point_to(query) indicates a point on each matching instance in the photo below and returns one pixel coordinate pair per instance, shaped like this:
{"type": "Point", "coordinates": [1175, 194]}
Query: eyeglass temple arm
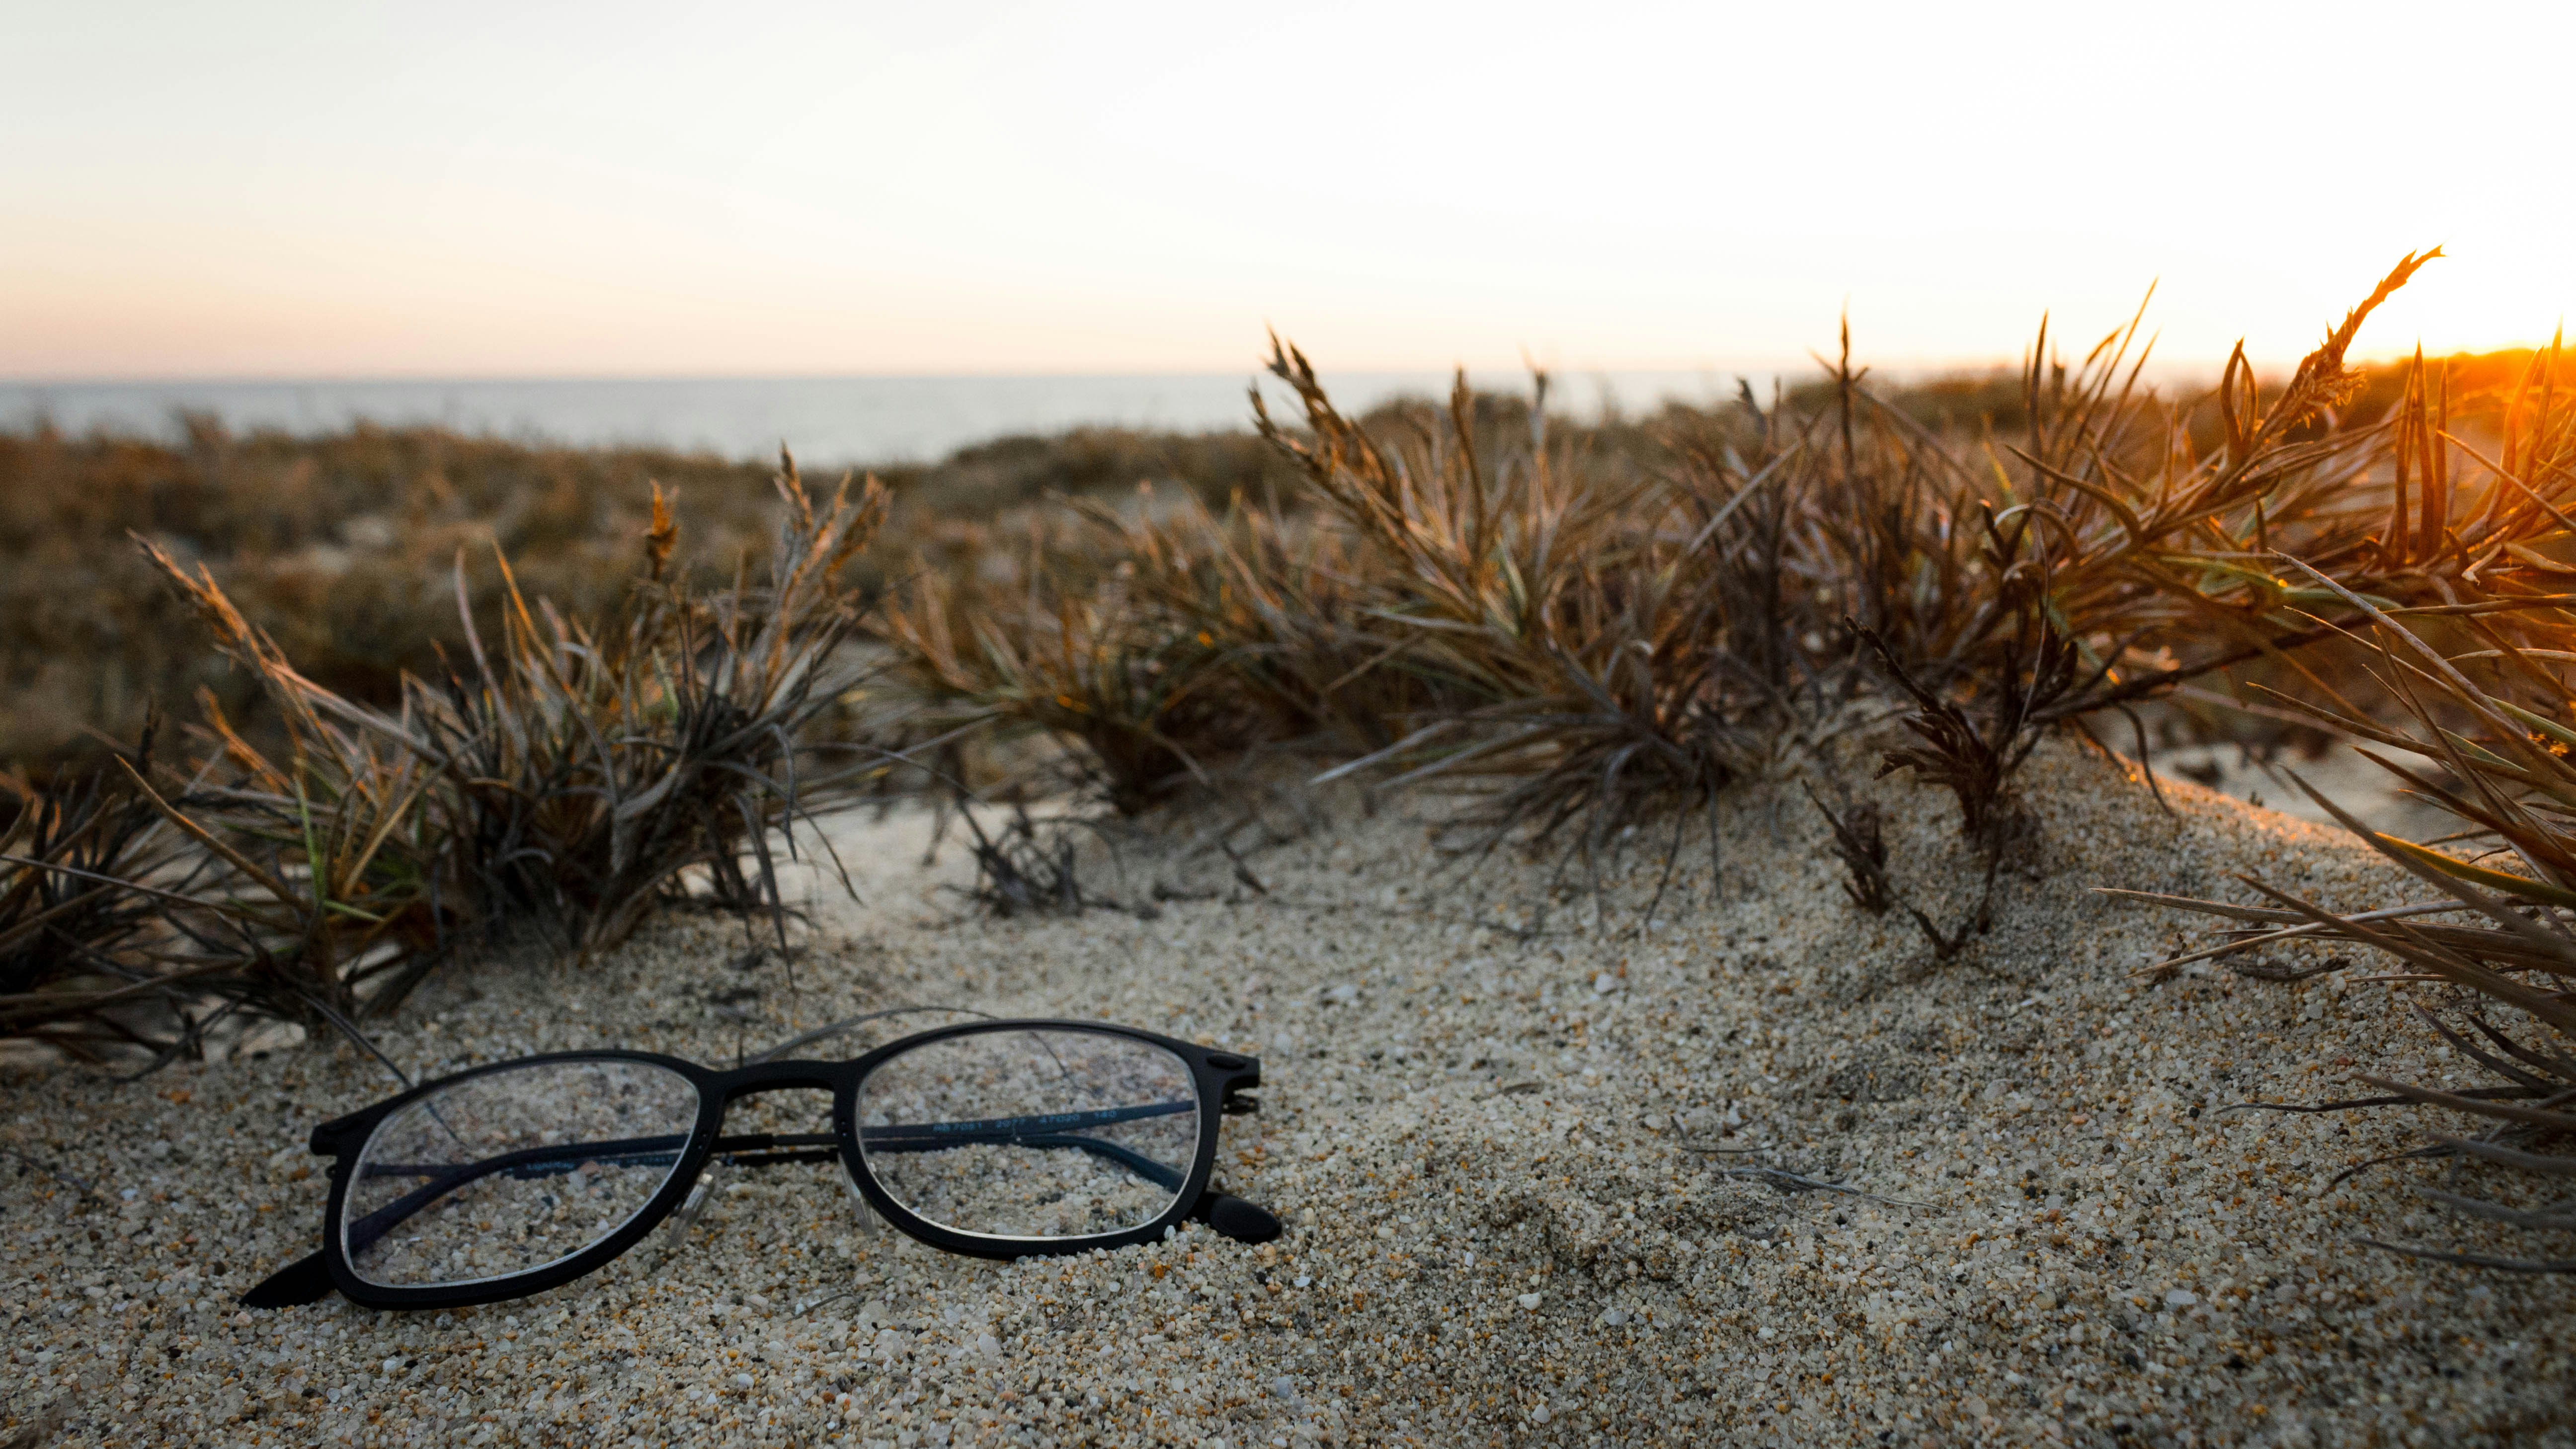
{"type": "Point", "coordinates": [1127, 1157]}
{"type": "Point", "coordinates": [659, 1150]}
{"type": "Point", "coordinates": [308, 1280]}
{"type": "Point", "coordinates": [1230, 1216]}
{"type": "Point", "coordinates": [550, 1160]}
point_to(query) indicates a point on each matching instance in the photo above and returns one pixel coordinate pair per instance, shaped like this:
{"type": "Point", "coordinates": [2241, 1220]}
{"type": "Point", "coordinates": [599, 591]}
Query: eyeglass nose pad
{"type": "Point", "coordinates": [696, 1203]}
{"type": "Point", "coordinates": [859, 1200]}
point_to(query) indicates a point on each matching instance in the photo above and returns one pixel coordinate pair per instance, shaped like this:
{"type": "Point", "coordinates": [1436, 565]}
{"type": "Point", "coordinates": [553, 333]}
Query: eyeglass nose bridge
{"type": "Point", "coordinates": [762, 1078]}
{"type": "Point", "coordinates": [758, 1080]}
{"type": "Point", "coordinates": [767, 1077]}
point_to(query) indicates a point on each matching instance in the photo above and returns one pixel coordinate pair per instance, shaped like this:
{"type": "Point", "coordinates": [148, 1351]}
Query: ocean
{"type": "Point", "coordinates": [826, 420]}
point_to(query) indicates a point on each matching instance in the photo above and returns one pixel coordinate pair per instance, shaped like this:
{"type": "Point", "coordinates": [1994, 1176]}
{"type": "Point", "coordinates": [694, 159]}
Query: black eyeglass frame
{"type": "Point", "coordinates": [1216, 1075]}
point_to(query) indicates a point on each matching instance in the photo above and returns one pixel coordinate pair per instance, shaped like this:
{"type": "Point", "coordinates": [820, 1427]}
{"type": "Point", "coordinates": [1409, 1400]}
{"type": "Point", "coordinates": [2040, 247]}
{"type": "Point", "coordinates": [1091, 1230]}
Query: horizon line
{"type": "Point", "coordinates": [1918, 367]}
{"type": "Point", "coordinates": [255, 379]}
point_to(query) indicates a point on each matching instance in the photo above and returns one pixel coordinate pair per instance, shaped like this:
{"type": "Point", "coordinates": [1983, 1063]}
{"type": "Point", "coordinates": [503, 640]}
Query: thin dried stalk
{"type": "Point", "coordinates": [2513, 955]}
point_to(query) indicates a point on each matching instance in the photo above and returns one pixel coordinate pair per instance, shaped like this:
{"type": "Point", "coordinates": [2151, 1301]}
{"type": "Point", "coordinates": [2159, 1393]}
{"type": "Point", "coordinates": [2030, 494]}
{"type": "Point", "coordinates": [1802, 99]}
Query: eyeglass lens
{"type": "Point", "coordinates": [504, 1173]}
{"type": "Point", "coordinates": [1031, 1133]}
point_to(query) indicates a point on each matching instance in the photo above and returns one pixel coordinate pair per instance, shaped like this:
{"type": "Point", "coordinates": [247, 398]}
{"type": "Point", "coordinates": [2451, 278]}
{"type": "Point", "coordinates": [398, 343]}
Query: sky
{"type": "Point", "coordinates": [276, 189]}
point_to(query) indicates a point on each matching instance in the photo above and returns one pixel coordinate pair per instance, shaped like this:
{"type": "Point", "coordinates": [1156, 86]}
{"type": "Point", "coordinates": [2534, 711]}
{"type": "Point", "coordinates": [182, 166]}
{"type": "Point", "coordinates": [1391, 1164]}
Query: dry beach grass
{"type": "Point", "coordinates": [1538, 1176]}
{"type": "Point", "coordinates": [1760, 1040]}
{"type": "Point", "coordinates": [1591, 630]}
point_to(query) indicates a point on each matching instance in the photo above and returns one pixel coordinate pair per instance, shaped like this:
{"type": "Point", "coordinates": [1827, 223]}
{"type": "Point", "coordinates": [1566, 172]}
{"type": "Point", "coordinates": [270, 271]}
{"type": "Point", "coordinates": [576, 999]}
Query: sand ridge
{"type": "Point", "coordinates": [1536, 1172]}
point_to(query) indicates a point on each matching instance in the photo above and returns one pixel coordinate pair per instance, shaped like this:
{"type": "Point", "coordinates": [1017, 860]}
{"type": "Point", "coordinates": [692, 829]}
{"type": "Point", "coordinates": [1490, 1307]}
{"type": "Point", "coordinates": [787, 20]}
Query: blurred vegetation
{"type": "Point", "coordinates": [429, 683]}
{"type": "Point", "coordinates": [436, 686]}
{"type": "Point", "coordinates": [559, 776]}
{"type": "Point", "coordinates": [342, 547]}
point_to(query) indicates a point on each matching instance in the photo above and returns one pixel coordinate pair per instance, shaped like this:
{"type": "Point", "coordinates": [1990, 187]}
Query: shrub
{"type": "Point", "coordinates": [577, 773]}
{"type": "Point", "coordinates": [586, 769]}
{"type": "Point", "coordinates": [340, 548]}
{"type": "Point", "coordinates": [78, 929]}
{"type": "Point", "coordinates": [2489, 729]}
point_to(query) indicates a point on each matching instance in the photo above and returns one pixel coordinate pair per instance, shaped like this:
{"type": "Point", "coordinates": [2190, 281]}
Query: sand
{"type": "Point", "coordinates": [1522, 1159]}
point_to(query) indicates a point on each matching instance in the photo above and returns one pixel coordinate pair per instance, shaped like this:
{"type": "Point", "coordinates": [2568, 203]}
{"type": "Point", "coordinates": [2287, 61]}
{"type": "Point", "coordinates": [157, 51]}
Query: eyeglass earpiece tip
{"type": "Point", "coordinates": [306, 1280]}
{"type": "Point", "coordinates": [1244, 1222]}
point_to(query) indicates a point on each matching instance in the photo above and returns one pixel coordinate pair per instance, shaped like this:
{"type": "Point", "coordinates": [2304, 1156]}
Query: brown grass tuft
{"type": "Point", "coordinates": [80, 968]}
{"type": "Point", "coordinates": [578, 773]}
{"type": "Point", "coordinates": [2490, 730]}
{"type": "Point", "coordinates": [586, 768]}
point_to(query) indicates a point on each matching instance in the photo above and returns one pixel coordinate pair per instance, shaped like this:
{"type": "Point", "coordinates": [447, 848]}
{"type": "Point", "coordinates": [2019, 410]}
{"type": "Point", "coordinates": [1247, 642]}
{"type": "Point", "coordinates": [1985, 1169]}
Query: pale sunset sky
{"type": "Point", "coordinates": [275, 189]}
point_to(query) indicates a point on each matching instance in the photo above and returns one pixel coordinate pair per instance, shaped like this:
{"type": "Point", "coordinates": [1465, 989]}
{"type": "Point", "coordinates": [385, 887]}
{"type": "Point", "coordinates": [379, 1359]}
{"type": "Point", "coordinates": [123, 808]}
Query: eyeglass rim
{"type": "Point", "coordinates": [1215, 1073]}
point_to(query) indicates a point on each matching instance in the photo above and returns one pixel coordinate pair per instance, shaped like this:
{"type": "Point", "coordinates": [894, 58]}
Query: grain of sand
{"type": "Point", "coordinates": [1521, 1159]}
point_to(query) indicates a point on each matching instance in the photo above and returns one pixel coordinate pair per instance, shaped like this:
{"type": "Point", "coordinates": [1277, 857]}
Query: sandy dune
{"type": "Point", "coordinates": [1532, 1166]}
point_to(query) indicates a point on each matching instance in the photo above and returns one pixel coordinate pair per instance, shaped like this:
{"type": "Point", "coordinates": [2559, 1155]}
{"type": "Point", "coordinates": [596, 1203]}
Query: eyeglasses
{"type": "Point", "coordinates": [999, 1139]}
